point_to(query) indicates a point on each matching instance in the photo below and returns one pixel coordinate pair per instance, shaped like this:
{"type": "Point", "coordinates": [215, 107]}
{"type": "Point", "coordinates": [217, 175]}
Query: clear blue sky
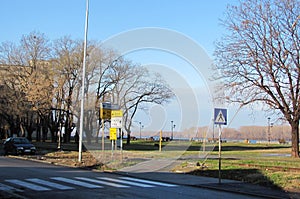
{"type": "Point", "coordinates": [197, 19]}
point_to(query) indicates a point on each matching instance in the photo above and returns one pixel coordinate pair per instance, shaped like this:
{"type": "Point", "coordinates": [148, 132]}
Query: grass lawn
{"type": "Point", "coordinates": [268, 165]}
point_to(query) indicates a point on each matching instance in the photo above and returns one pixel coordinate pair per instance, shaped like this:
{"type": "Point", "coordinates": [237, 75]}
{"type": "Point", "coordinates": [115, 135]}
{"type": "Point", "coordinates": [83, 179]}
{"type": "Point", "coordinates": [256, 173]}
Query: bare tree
{"type": "Point", "coordinates": [135, 88]}
{"type": "Point", "coordinates": [259, 60]}
{"type": "Point", "coordinates": [68, 65]}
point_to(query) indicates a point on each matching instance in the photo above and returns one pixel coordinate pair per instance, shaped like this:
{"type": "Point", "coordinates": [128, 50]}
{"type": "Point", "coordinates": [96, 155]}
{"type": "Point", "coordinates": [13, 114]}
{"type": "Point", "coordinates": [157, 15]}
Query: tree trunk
{"type": "Point", "coordinates": [295, 139]}
{"type": "Point", "coordinates": [45, 132]}
{"type": "Point", "coordinates": [29, 132]}
{"type": "Point", "coordinates": [128, 137]}
{"type": "Point", "coordinates": [38, 133]}
{"type": "Point", "coordinates": [53, 132]}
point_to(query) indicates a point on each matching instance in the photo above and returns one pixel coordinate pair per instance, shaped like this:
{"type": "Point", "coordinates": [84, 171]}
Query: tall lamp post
{"type": "Point", "coordinates": [83, 82]}
{"type": "Point", "coordinates": [61, 132]}
{"type": "Point", "coordinates": [172, 129]}
{"type": "Point", "coordinates": [141, 126]}
{"type": "Point", "coordinates": [270, 125]}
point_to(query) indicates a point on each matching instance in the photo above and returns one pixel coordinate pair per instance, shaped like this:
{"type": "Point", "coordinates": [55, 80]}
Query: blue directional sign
{"type": "Point", "coordinates": [220, 116]}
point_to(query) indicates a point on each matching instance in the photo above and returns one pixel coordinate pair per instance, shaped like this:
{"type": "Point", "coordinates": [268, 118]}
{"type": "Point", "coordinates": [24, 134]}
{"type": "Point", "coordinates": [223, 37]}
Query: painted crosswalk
{"type": "Point", "coordinates": [63, 183]}
{"type": "Point", "coordinates": [103, 182]}
{"type": "Point", "coordinates": [49, 184]}
{"type": "Point", "coordinates": [4, 187]}
{"type": "Point", "coordinates": [28, 185]}
{"type": "Point", "coordinates": [126, 182]}
{"type": "Point", "coordinates": [149, 182]}
{"type": "Point", "coordinates": [76, 182]}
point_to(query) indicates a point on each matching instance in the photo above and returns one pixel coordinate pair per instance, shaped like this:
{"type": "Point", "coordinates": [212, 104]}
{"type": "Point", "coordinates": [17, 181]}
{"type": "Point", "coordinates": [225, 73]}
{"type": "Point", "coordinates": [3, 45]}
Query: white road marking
{"type": "Point", "coordinates": [28, 185]}
{"type": "Point", "coordinates": [4, 187]}
{"type": "Point", "coordinates": [150, 182]}
{"type": "Point", "coordinates": [76, 182]}
{"type": "Point", "coordinates": [49, 184]}
{"type": "Point", "coordinates": [102, 182]}
{"type": "Point", "coordinates": [37, 184]}
{"type": "Point", "coordinates": [126, 182]}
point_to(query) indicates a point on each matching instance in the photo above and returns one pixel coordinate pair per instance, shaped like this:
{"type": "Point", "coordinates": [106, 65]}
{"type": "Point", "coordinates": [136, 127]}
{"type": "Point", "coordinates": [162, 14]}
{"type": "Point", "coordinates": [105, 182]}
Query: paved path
{"type": "Point", "coordinates": [153, 165]}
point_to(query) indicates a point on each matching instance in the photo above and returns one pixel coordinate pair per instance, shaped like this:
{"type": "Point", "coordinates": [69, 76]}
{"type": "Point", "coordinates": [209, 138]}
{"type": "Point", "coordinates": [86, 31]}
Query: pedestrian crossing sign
{"type": "Point", "coordinates": [220, 116]}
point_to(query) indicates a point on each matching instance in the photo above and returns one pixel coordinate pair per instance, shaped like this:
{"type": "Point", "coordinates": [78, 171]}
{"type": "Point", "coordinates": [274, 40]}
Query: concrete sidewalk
{"type": "Point", "coordinates": [159, 170]}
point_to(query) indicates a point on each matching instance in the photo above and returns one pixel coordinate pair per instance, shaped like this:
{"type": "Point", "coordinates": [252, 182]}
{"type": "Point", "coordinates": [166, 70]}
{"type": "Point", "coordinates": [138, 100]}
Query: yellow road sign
{"type": "Point", "coordinates": [105, 110]}
{"type": "Point", "coordinates": [113, 133]}
{"type": "Point", "coordinates": [116, 113]}
{"type": "Point", "coordinates": [105, 113]}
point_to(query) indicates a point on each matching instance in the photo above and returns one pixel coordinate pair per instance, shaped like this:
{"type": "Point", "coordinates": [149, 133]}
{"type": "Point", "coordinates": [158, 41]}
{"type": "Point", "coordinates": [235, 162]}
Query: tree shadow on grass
{"type": "Point", "coordinates": [247, 148]}
{"type": "Point", "coordinates": [253, 176]}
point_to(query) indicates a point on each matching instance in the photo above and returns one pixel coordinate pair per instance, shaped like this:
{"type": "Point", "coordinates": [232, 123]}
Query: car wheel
{"type": "Point", "coordinates": [15, 152]}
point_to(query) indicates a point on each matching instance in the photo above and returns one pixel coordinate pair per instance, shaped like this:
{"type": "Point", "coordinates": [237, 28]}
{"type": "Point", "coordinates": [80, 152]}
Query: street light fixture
{"type": "Point", "coordinates": [60, 132]}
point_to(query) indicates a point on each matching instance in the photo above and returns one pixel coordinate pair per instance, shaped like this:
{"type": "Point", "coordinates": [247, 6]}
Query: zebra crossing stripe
{"type": "Point", "coordinates": [126, 182]}
{"type": "Point", "coordinates": [102, 182]}
{"type": "Point", "coordinates": [76, 182]}
{"type": "Point", "coordinates": [149, 182]}
{"type": "Point", "coordinates": [49, 184]}
{"type": "Point", "coordinates": [4, 187]}
{"type": "Point", "coordinates": [28, 185]}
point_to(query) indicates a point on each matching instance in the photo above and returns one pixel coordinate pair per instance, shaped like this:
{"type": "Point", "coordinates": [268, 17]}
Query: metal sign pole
{"type": "Point", "coordinates": [220, 118]}
{"type": "Point", "coordinates": [160, 139]}
{"type": "Point", "coordinates": [112, 150]}
{"type": "Point", "coordinates": [102, 131]}
{"type": "Point", "coordinates": [121, 144]}
{"type": "Point", "coordinates": [219, 153]}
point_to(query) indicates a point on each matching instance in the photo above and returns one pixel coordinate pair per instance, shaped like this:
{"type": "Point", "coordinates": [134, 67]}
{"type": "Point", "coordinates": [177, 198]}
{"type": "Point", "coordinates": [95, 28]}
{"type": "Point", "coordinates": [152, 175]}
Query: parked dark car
{"type": "Point", "coordinates": [18, 146]}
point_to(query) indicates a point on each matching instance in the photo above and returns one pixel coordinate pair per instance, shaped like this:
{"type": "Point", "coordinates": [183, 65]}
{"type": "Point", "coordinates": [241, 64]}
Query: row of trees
{"type": "Point", "coordinates": [41, 86]}
{"type": "Point", "coordinates": [272, 133]}
{"type": "Point", "coordinates": [265, 133]}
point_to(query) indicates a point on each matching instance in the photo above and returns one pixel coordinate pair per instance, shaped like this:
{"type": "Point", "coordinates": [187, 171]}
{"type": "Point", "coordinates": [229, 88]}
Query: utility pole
{"type": "Point", "coordinates": [269, 130]}
{"type": "Point", "coordinates": [172, 129]}
{"type": "Point", "coordinates": [141, 126]}
{"type": "Point", "coordinates": [83, 83]}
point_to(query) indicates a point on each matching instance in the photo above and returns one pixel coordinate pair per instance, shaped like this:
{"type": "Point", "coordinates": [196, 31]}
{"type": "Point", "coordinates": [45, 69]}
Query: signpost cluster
{"type": "Point", "coordinates": [220, 118]}
{"type": "Point", "coordinates": [114, 114]}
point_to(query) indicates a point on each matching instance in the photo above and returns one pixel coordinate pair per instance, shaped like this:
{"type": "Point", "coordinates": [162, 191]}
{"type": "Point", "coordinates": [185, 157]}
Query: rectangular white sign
{"type": "Point", "coordinates": [116, 122]}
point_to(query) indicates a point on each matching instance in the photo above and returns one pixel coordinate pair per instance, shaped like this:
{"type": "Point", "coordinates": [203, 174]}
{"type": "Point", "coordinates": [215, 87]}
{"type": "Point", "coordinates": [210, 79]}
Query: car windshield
{"type": "Point", "coordinates": [21, 141]}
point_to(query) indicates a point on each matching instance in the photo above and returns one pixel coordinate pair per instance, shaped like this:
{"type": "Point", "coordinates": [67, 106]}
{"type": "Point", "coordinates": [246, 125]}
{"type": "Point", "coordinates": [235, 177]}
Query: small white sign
{"type": "Point", "coordinates": [116, 122]}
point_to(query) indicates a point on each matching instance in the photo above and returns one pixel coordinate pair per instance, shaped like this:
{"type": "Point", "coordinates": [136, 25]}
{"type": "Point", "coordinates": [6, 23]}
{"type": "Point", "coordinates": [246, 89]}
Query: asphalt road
{"type": "Point", "coordinates": [32, 180]}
